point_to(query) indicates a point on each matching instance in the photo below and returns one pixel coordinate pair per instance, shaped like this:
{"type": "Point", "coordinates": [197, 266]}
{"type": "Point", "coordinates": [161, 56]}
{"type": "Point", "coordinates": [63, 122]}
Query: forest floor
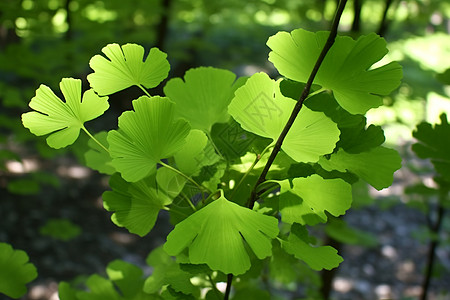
{"type": "Point", "coordinates": [393, 269]}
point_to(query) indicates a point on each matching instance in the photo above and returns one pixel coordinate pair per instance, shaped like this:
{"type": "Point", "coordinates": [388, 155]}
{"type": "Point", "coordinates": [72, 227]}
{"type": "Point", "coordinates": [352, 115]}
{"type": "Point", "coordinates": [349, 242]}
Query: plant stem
{"type": "Point", "coordinates": [94, 139]}
{"type": "Point", "coordinates": [299, 104]}
{"type": "Point", "coordinates": [435, 229]}
{"type": "Point", "coordinates": [257, 159]}
{"type": "Point", "coordinates": [144, 90]}
{"type": "Point", "coordinates": [214, 287]}
{"type": "Point", "coordinates": [228, 289]}
{"type": "Point", "coordinates": [189, 201]}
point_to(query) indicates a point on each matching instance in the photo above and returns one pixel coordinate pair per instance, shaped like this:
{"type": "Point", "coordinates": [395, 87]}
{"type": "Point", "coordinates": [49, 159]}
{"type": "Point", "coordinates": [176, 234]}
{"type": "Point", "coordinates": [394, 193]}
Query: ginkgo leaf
{"type": "Point", "coordinates": [128, 277]}
{"type": "Point", "coordinates": [15, 271]}
{"type": "Point", "coordinates": [167, 272]}
{"type": "Point", "coordinates": [376, 166]}
{"type": "Point", "coordinates": [145, 136]}
{"type": "Point", "coordinates": [218, 234]}
{"type": "Point", "coordinates": [260, 108]}
{"type": "Point", "coordinates": [135, 205]}
{"type": "Point", "coordinates": [346, 69]}
{"type": "Point", "coordinates": [189, 158]}
{"type": "Point", "coordinates": [309, 198]}
{"type": "Point", "coordinates": [96, 157]}
{"type": "Point", "coordinates": [318, 258]}
{"type": "Point", "coordinates": [126, 67]}
{"type": "Point", "coordinates": [63, 119]}
{"type": "Point", "coordinates": [203, 97]}
{"type": "Point", "coordinates": [434, 143]}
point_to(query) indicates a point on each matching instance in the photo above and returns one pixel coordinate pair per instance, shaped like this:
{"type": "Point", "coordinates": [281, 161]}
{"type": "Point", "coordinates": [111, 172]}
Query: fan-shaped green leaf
{"type": "Point", "coordinates": [189, 158]}
{"type": "Point", "coordinates": [97, 158]}
{"type": "Point", "coordinates": [318, 258]}
{"type": "Point", "coordinates": [376, 166]}
{"type": "Point", "coordinates": [309, 198]}
{"type": "Point", "coordinates": [126, 67]}
{"type": "Point", "coordinates": [145, 136]}
{"type": "Point", "coordinates": [203, 97]}
{"type": "Point", "coordinates": [434, 143]}
{"type": "Point", "coordinates": [217, 235]}
{"type": "Point", "coordinates": [260, 108]}
{"type": "Point", "coordinates": [168, 272]}
{"type": "Point", "coordinates": [15, 271]}
{"type": "Point", "coordinates": [63, 119]}
{"type": "Point", "coordinates": [135, 205]}
{"type": "Point", "coordinates": [126, 276]}
{"type": "Point", "coordinates": [346, 68]}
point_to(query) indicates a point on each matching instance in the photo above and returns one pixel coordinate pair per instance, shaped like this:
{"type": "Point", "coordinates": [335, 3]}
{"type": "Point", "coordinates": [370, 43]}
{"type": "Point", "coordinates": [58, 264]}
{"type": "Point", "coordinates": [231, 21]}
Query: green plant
{"type": "Point", "coordinates": [242, 166]}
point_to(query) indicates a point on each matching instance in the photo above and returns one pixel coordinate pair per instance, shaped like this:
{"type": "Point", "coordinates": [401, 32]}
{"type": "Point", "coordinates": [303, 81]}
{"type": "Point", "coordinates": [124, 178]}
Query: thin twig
{"type": "Point", "coordinates": [299, 104]}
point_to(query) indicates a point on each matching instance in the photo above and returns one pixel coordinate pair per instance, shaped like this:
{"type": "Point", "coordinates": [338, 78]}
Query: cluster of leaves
{"type": "Point", "coordinates": [198, 151]}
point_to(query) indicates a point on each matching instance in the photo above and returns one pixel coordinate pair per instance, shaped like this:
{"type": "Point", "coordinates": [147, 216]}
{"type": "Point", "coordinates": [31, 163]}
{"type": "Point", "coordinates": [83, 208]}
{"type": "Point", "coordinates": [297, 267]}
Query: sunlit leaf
{"type": "Point", "coordinates": [434, 143]}
{"type": "Point", "coordinates": [318, 258]}
{"type": "Point", "coordinates": [63, 119]}
{"type": "Point", "coordinates": [97, 158]}
{"type": "Point", "coordinates": [170, 182]}
{"type": "Point", "coordinates": [309, 198]}
{"type": "Point", "coordinates": [260, 108]}
{"type": "Point", "coordinates": [218, 234]}
{"type": "Point", "coordinates": [125, 66]}
{"type": "Point", "coordinates": [346, 69]}
{"type": "Point", "coordinates": [203, 97]}
{"type": "Point", "coordinates": [376, 166]}
{"type": "Point", "coordinates": [15, 271]}
{"type": "Point", "coordinates": [127, 277]}
{"type": "Point", "coordinates": [145, 136]}
{"type": "Point", "coordinates": [189, 158]}
{"type": "Point", "coordinates": [135, 205]}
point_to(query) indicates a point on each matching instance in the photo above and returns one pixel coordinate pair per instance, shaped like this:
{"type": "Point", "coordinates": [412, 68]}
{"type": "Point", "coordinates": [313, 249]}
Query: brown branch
{"type": "Point", "coordinates": [299, 104]}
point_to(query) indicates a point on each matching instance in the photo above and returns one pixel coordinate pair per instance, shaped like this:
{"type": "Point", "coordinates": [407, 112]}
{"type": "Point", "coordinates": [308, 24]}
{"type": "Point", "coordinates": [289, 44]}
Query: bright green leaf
{"type": "Point", "coordinates": [170, 182]}
{"type": "Point", "coordinates": [203, 97]}
{"type": "Point", "coordinates": [346, 69]}
{"type": "Point", "coordinates": [135, 205]}
{"type": "Point", "coordinates": [189, 158]}
{"type": "Point", "coordinates": [260, 108]}
{"type": "Point", "coordinates": [309, 198]}
{"type": "Point", "coordinates": [99, 288]}
{"type": "Point", "coordinates": [434, 143]}
{"type": "Point", "coordinates": [318, 258]}
{"type": "Point", "coordinates": [66, 292]}
{"type": "Point", "coordinates": [97, 158]}
{"type": "Point", "coordinates": [217, 235]}
{"type": "Point", "coordinates": [126, 67]}
{"type": "Point", "coordinates": [15, 271]}
{"type": "Point", "coordinates": [145, 136]}
{"type": "Point", "coordinates": [63, 119]}
{"type": "Point", "coordinates": [126, 276]}
{"type": "Point", "coordinates": [376, 166]}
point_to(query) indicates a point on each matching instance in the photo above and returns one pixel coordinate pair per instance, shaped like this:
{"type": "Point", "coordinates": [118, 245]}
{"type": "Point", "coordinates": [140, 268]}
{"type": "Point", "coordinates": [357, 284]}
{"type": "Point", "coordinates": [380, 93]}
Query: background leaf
{"type": "Point", "coordinates": [434, 143]}
{"type": "Point", "coordinates": [15, 271]}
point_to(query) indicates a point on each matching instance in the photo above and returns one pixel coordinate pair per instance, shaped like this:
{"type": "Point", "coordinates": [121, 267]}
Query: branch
{"type": "Point", "coordinates": [299, 104]}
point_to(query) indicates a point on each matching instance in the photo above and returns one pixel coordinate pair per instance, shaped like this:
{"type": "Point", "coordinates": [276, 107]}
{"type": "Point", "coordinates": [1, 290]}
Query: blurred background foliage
{"type": "Point", "coordinates": [42, 41]}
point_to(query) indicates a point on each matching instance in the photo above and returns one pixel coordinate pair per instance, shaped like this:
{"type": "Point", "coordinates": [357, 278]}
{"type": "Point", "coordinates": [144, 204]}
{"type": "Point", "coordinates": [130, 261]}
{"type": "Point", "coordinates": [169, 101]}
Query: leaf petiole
{"type": "Point", "coordinates": [94, 139]}
{"type": "Point", "coordinates": [144, 90]}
